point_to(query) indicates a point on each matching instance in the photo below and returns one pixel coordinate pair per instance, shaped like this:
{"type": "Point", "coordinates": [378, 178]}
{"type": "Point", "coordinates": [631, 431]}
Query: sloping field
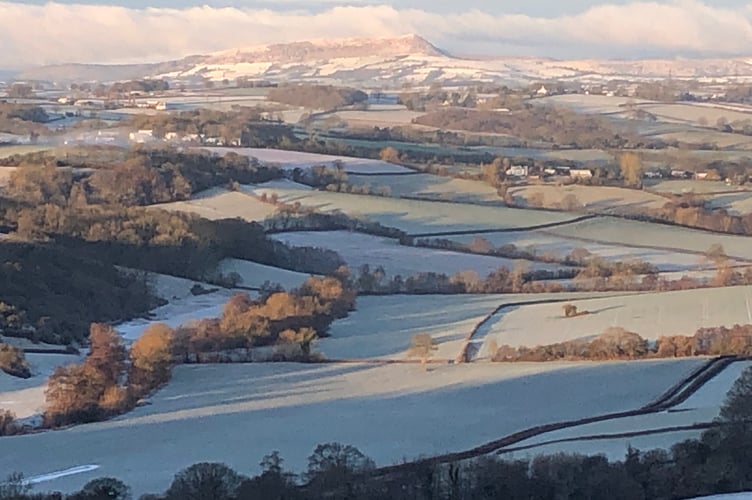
{"type": "Point", "coordinates": [380, 115]}
{"type": "Point", "coordinates": [383, 326]}
{"type": "Point", "coordinates": [6, 151]}
{"type": "Point", "coordinates": [359, 249]}
{"type": "Point", "coordinates": [290, 160]}
{"type": "Point", "coordinates": [238, 413]}
{"type": "Point", "coordinates": [702, 407]}
{"type": "Point", "coordinates": [418, 217]}
{"type": "Point", "coordinates": [254, 275]}
{"type": "Point", "coordinates": [690, 113]}
{"type": "Point", "coordinates": [222, 204]}
{"type": "Point", "coordinates": [651, 315]}
{"type": "Point", "coordinates": [602, 198]}
{"type": "Point", "coordinates": [736, 203]}
{"type": "Point", "coordinates": [25, 397]}
{"type": "Point", "coordinates": [543, 243]}
{"type": "Point", "coordinates": [431, 187]}
{"type": "Point", "coordinates": [680, 186]}
{"type": "Point", "coordinates": [597, 104]}
{"type": "Point", "coordinates": [659, 236]}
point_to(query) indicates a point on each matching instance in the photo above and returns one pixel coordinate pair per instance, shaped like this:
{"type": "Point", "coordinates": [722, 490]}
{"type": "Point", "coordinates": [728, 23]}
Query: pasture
{"type": "Point", "coordinates": [430, 187]}
{"type": "Point", "coordinates": [651, 315]}
{"type": "Point", "coordinates": [218, 203]}
{"type": "Point", "coordinates": [237, 413]}
{"type": "Point", "coordinates": [290, 160]}
{"type": "Point", "coordinates": [602, 199]}
{"type": "Point", "coordinates": [359, 249]}
{"type": "Point", "coordinates": [417, 216]}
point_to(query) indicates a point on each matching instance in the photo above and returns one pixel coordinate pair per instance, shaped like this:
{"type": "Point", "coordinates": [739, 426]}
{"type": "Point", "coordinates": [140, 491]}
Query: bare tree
{"type": "Point", "coordinates": [422, 346]}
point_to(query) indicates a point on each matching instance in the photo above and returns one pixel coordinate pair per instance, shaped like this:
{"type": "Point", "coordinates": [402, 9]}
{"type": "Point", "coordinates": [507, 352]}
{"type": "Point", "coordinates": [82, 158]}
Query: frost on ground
{"type": "Point", "coordinates": [651, 315]}
{"type": "Point", "coordinates": [542, 243]}
{"type": "Point", "coordinates": [238, 413]}
{"type": "Point", "coordinates": [359, 249]}
{"type": "Point", "coordinates": [25, 397]}
{"type": "Point", "coordinates": [625, 232]}
{"type": "Point", "coordinates": [217, 204]}
{"type": "Point", "coordinates": [431, 187]}
{"type": "Point", "coordinates": [413, 216]}
{"type": "Point", "coordinates": [730, 496]}
{"type": "Point", "coordinates": [702, 407]}
{"type": "Point", "coordinates": [604, 199]}
{"type": "Point", "coordinates": [290, 160]}
{"type": "Point", "coordinates": [254, 275]}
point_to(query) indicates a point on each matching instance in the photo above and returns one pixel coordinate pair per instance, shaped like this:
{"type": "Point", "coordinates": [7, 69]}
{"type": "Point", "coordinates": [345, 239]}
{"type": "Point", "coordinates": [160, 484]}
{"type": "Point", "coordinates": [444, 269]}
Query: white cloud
{"type": "Point", "coordinates": [53, 32]}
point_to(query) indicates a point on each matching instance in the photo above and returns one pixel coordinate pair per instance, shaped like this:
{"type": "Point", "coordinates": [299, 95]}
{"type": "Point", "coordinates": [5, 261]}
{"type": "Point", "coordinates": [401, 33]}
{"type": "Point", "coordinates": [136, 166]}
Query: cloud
{"type": "Point", "coordinates": [54, 32]}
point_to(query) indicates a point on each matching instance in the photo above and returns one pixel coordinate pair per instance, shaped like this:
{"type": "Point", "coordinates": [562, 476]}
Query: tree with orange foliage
{"type": "Point", "coordinates": [107, 353]}
{"type": "Point", "coordinates": [151, 358]}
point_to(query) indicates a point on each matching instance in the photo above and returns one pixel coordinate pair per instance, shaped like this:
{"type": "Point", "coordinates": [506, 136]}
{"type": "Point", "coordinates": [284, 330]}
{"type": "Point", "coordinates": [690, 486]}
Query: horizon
{"type": "Point", "coordinates": [107, 32]}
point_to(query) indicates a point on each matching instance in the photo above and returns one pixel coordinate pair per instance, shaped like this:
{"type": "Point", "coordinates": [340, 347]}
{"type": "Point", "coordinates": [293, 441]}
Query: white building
{"type": "Point", "coordinates": [518, 171]}
{"type": "Point", "coordinates": [141, 136]}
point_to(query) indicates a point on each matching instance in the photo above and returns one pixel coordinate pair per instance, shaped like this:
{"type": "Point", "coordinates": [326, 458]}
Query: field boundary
{"type": "Point", "coordinates": [547, 225]}
{"type": "Point", "coordinates": [692, 382]}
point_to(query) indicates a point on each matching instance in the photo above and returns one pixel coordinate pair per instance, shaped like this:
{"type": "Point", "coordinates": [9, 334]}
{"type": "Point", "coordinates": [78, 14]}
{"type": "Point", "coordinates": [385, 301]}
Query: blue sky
{"type": "Point", "coordinates": [153, 30]}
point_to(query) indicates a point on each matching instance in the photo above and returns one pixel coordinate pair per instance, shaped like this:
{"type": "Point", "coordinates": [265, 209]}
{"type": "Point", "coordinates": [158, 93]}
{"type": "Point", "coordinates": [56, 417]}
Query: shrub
{"type": "Point", "coordinates": [13, 362]}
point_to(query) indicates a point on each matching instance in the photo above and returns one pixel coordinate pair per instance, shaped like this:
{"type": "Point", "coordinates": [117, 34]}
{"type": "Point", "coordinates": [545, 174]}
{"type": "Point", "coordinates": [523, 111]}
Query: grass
{"type": "Point", "coordinates": [414, 216]}
{"type": "Point", "coordinates": [601, 198]}
{"type": "Point", "coordinates": [651, 315]}
{"type": "Point", "coordinates": [218, 203]}
{"type": "Point", "coordinates": [237, 413]}
{"type": "Point", "coordinates": [431, 187]}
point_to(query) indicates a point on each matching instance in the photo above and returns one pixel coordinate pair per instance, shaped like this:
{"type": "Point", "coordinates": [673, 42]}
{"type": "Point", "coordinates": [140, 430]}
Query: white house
{"type": "Point", "coordinates": [542, 91]}
{"type": "Point", "coordinates": [141, 136]}
{"type": "Point", "coordinates": [518, 171]}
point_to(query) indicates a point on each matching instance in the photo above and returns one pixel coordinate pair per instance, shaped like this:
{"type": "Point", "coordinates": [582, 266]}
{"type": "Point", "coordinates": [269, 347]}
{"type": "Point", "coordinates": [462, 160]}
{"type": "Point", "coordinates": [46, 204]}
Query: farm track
{"type": "Point", "coordinates": [675, 395]}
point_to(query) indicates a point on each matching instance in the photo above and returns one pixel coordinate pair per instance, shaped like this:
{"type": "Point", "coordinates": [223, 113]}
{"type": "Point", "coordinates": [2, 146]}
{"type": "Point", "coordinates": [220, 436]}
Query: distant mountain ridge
{"type": "Point", "coordinates": [390, 62]}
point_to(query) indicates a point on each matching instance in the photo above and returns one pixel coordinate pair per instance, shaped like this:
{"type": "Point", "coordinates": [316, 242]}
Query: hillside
{"type": "Point", "coordinates": [382, 61]}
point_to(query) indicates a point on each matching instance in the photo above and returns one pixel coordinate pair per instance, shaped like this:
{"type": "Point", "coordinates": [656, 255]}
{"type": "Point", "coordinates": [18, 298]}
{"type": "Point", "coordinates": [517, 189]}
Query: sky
{"type": "Point", "coordinates": [38, 32]}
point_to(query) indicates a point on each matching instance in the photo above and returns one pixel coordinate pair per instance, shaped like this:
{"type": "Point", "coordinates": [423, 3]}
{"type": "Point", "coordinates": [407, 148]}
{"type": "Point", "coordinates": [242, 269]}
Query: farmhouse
{"type": "Point", "coordinates": [141, 136]}
{"type": "Point", "coordinates": [681, 174]}
{"type": "Point", "coordinates": [518, 171]}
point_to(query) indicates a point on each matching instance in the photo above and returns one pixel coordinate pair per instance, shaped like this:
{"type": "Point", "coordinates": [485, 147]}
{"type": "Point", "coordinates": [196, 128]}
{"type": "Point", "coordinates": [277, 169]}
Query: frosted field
{"type": "Point", "coordinates": [708, 136]}
{"type": "Point", "coordinates": [693, 186]}
{"type": "Point", "coordinates": [6, 151]}
{"type": "Point", "coordinates": [290, 160]}
{"type": "Point", "coordinates": [541, 242]}
{"type": "Point", "coordinates": [358, 249]}
{"type": "Point", "coordinates": [238, 413]}
{"type": "Point", "coordinates": [731, 496]}
{"type": "Point", "coordinates": [737, 203]}
{"type": "Point", "coordinates": [254, 274]}
{"type": "Point", "coordinates": [602, 198]}
{"type": "Point", "coordinates": [380, 115]}
{"type": "Point", "coordinates": [222, 204]}
{"type": "Point", "coordinates": [651, 315]}
{"type": "Point", "coordinates": [414, 216]}
{"type": "Point", "coordinates": [702, 407]}
{"type": "Point", "coordinates": [383, 326]}
{"type": "Point", "coordinates": [431, 187]}
{"type": "Point", "coordinates": [595, 104]}
{"type": "Point", "coordinates": [25, 397]}
{"type": "Point", "coordinates": [694, 114]}
{"type": "Point", "coordinates": [625, 232]}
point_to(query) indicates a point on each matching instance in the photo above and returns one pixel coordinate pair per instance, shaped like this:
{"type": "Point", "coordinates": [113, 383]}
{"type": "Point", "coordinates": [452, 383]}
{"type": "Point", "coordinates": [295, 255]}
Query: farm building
{"type": "Point", "coordinates": [581, 173]}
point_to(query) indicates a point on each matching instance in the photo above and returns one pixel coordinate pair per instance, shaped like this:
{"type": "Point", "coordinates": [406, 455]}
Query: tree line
{"type": "Point", "coordinates": [716, 463]}
{"type": "Point", "coordinates": [616, 343]}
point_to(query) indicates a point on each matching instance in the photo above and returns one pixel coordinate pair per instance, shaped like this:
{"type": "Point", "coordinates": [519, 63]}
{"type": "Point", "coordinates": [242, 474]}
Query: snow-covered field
{"type": "Point", "coordinates": [626, 232]}
{"type": "Point", "coordinates": [693, 186]}
{"type": "Point", "coordinates": [415, 216]}
{"type": "Point", "coordinates": [594, 104]}
{"type": "Point", "coordinates": [237, 413]}
{"type": "Point", "coordinates": [358, 249]}
{"type": "Point", "coordinates": [219, 203]}
{"type": "Point", "coordinates": [290, 160]}
{"type": "Point", "coordinates": [651, 315]}
{"type": "Point", "coordinates": [431, 187]}
{"type": "Point", "coordinates": [254, 274]}
{"type": "Point", "coordinates": [736, 203]}
{"type": "Point", "coordinates": [601, 198]}
{"type": "Point", "coordinates": [702, 407]}
{"type": "Point", "coordinates": [690, 113]}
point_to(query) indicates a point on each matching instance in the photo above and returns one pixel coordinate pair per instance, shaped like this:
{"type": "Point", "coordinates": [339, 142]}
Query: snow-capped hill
{"type": "Point", "coordinates": [348, 48]}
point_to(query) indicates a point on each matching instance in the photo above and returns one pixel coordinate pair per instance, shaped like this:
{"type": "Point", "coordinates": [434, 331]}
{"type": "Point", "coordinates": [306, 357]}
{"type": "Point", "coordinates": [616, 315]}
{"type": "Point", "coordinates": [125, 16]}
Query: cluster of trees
{"type": "Point", "coordinates": [22, 119]}
{"type": "Point", "coordinates": [548, 124]}
{"type": "Point", "coordinates": [716, 463]}
{"type": "Point", "coordinates": [131, 177]}
{"type": "Point", "coordinates": [685, 211]}
{"type": "Point", "coordinates": [51, 293]}
{"type": "Point", "coordinates": [13, 362]}
{"type": "Point", "coordinates": [291, 321]}
{"type": "Point", "coordinates": [111, 379]}
{"type": "Point", "coordinates": [325, 97]}
{"type": "Point", "coordinates": [616, 343]}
